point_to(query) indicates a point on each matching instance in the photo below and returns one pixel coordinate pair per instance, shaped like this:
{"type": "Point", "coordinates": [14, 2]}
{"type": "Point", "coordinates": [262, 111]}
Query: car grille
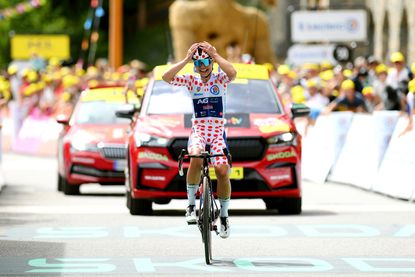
{"type": "Point", "coordinates": [242, 149]}
{"type": "Point", "coordinates": [90, 171]}
{"type": "Point", "coordinates": [114, 152]}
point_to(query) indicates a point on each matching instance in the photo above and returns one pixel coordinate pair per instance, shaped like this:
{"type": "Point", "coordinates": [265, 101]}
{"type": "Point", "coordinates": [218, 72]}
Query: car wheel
{"type": "Point", "coordinates": [69, 189]}
{"type": "Point", "coordinates": [286, 206]}
{"type": "Point", "coordinates": [140, 206]}
{"type": "Point", "coordinates": [290, 206]}
{"type": "Point", "coordinates": [60, 182]}
{"type": "Point", "coordinates": [271, 204]}
{"type": "Point", "coordinates": [128, 197]}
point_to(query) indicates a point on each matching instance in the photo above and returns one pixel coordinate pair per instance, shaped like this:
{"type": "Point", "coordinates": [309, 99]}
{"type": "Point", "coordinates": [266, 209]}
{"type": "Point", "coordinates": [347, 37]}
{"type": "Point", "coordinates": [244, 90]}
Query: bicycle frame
{"type": "Point", "coordinates": [206, 221]}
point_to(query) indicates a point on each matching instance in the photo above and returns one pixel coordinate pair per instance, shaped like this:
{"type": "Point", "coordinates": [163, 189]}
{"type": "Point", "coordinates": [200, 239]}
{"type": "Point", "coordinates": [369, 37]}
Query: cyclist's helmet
{"type": "Point", "coordinates": [200, 55]}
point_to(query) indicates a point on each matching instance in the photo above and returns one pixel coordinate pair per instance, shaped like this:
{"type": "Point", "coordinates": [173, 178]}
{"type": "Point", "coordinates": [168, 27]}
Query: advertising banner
{"type": "Point", "coordinates": [365, 145]}
{"type": "Point", "coordinates": [300, 54]}
{"type": "Point", "coordinates": [396, 176]}
{"type": "Point", "coordinates": [338, 25]}
{"type": "Point", "coordinates": [46, 46]}
{"type": "Point", "coordinates": [38, 136]}
{"type": "Point", "coordinates": [322, 145]}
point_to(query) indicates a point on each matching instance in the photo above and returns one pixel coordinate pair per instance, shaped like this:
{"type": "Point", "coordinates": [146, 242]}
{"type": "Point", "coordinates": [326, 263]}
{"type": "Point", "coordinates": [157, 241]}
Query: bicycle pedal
{"type": "Point", "coordinates": [191, 223]}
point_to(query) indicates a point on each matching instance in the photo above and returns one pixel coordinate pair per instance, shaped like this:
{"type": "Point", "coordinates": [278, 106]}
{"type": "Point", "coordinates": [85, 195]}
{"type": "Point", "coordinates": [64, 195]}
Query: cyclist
{"type": "Point", "coordinates": [208, 92]}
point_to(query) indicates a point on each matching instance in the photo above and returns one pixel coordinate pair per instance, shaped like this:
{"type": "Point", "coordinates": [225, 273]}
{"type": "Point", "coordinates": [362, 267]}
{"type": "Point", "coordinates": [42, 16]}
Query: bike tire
{"type": "Point", "coordinates": [206, 221]}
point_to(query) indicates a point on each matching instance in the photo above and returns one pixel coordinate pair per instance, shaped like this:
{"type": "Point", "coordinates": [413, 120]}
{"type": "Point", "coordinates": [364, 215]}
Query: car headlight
{"type": "Point", "coordinates": [142, 139]}
{"type": "Point", "coordinates": [82, 141]}
{"type": "Point", "coordinates": [283, 139]}
{"type": "Point", "coordinates": [78, 145]}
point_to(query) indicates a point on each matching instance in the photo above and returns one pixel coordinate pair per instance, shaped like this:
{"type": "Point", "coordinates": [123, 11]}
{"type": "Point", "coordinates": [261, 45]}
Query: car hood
{"type": "Point", "coordinates": [238, 125]}
{"type": "Point", "coordinates": [115, 134]}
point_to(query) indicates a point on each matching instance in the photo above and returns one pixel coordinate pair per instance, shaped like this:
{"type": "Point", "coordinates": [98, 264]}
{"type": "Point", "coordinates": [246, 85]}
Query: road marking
{"type": "Point", "coordinates": [225, 265]}
{"type": "Point", "coordinates": [48, 233]}
{"type": "Point", "coordinates": [367, 264]}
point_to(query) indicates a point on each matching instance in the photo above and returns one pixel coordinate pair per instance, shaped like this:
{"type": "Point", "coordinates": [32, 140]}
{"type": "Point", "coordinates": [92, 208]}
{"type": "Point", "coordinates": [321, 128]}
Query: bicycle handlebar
{"type": "Point", "coordinates": [203, 155]}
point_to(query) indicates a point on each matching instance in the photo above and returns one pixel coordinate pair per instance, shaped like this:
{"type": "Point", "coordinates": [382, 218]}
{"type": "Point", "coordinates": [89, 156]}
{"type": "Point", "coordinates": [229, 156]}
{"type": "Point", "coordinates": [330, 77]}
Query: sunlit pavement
{"type": "Point", "coordinates": [343, 230]}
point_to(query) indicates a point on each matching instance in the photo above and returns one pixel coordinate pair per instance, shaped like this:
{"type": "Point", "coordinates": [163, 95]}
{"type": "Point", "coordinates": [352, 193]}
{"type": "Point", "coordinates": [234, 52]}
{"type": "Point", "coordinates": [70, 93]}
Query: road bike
{"type": "Point", "coordinates": [208, 211]}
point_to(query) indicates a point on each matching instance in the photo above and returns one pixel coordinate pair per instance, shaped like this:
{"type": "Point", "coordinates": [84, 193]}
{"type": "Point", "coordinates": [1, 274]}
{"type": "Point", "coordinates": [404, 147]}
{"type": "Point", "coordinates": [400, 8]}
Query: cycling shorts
{"type": "Point", "coordinates": [208, 132]}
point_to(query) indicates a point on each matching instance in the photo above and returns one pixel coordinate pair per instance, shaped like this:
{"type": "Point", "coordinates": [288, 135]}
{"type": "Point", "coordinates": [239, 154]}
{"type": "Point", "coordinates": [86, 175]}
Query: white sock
{"type": "Point", "coordinates": [224, 205]}
{"type": "Point", "coordinates": [191, 194]}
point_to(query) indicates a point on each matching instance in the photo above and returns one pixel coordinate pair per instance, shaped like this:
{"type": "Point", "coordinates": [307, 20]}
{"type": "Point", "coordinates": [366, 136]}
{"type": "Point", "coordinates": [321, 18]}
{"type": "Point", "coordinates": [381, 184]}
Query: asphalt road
{"type": "Point", "coordinates": [343, 230]}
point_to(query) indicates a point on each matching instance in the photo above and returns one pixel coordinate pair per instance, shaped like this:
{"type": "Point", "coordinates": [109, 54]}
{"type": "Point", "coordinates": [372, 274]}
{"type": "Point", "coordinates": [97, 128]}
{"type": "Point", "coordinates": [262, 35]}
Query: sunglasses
{"type": "Point", "coordinates": [206, 62]}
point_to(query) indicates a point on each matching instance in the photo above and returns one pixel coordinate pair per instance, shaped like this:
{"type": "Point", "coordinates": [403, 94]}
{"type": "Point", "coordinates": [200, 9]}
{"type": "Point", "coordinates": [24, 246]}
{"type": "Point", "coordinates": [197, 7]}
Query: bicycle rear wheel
{"type": "Point", "coordinates": [206, 221]}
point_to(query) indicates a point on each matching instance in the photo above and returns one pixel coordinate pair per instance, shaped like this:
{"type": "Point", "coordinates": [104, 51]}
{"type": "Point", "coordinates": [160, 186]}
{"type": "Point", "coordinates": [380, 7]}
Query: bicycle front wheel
{"type": "Point", "coordinates": [206, 221]}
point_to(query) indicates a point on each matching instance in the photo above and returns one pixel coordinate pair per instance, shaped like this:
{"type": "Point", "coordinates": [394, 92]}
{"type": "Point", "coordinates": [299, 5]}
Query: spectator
{"type": "Point", "coordinates": [392, 99]}
{"type": "Point", "coordinates": [372, 65]}
{"type": "Point", "coordinates": [5, 96]}
{"type": "Point", "coordinates": [282, 71]}
{"type": "Point", "coordinates": [348, 101]}
{"type": "Point", "coordinates": [233, 52]}
{"type": "Point", "coordinates": [371, 99]}
{"type": "Point", "coordinates": [315, 101]}
{"type": "Point", "coordinates": [399, 72]}
{"type": "Point", "coordinates": [297, 95]}
{"type": "Point", "coordinates": [326, 65]}
{"type": "Point", "coordinates": [361, 79]}
{"type": "Point", "coordinates": [311, 72]}
{"type": "Point", "coordinates": [358, 64]}
{"type": "Point", "coordinates": [410, 99]}
{"type": "Point", "coordinates": [379, 83]}
{"type": "Point", "coordinates": [16, 101]}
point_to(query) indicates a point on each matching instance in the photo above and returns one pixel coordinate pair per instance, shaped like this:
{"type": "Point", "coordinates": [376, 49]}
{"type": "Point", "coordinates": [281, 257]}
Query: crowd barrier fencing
{"type": "Point", "coordinates": [366, 142]}
{"type": "Point", "coordinates": [322, 145]}
{"type": "Point", "coordinates": [396, 176]}
{"type": "Point", "coordinates": [374, 155]}
{"type": "Point", "coordinates": [37, 136]}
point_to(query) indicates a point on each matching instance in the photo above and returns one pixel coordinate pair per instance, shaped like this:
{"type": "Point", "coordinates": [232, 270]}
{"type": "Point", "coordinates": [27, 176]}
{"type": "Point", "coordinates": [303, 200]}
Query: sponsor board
{"type": "Point", "coordinates": [331, 25]}
{"type": "Point", "coordinates": [396, 172]}
{"type": "Point", "coordinates": [300, 54]}
{"type": "Point", "coordinates": [366, 142]}
{"type": "Point", "coordinates": [46, 46]}
{"type": "Point", "coordinates": [322, 145]}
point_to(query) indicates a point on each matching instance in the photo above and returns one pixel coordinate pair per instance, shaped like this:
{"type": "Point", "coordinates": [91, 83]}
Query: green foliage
{"type": "Point", "coordinates": [52, 18]}
{"type": "Point", "coordinates": [149, 45]}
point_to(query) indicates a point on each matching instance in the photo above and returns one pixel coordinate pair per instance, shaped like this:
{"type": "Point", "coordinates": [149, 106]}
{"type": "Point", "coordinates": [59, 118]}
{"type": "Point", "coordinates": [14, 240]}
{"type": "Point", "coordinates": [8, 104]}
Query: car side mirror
{"type": "Point", "coordinates": [62, 119]}
{"type": "Point", "coordinates": [299, 110]}
{"type": "Point", "coordinates": [127, 111]}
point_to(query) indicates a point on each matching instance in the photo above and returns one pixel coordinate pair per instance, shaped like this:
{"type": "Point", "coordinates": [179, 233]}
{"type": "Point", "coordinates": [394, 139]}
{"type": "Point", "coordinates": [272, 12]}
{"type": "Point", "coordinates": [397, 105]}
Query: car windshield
{"type": "Point", "coordinates": [98, 112]}
{"type": "Point", "coordinates": [244, 96]}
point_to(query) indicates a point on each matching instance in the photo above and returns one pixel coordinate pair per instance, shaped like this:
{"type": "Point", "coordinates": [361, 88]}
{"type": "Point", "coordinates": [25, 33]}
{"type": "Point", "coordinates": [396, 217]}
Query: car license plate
{"type": "Point", "coordinates": [236, 174]}
{"type": "Point", "coordinates": [120, 165]}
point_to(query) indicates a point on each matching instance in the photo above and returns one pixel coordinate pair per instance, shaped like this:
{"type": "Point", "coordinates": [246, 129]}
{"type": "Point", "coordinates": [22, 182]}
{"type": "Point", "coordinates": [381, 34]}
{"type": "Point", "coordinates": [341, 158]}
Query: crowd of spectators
{"type": "Point", "coordinates": [366, 85]}
{"type": "Point", "coordinates": [49, 88]}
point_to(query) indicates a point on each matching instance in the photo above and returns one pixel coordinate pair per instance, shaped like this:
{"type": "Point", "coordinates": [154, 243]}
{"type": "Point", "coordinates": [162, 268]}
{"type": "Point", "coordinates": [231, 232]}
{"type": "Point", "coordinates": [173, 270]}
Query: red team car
{"type": "Point", "coordinates": [261, 136]}
{"type": "Point", "coordinates": [91, 146]}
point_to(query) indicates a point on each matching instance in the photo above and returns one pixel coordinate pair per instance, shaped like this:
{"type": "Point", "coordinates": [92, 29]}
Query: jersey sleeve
{"type": "Point", "coordinates": [223, 78]}
{"type": "Point", "coordinates": [182, 80]}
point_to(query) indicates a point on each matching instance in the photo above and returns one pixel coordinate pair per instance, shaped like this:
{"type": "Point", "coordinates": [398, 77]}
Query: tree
{"type": "Point", "coordinates": [54, 17]}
